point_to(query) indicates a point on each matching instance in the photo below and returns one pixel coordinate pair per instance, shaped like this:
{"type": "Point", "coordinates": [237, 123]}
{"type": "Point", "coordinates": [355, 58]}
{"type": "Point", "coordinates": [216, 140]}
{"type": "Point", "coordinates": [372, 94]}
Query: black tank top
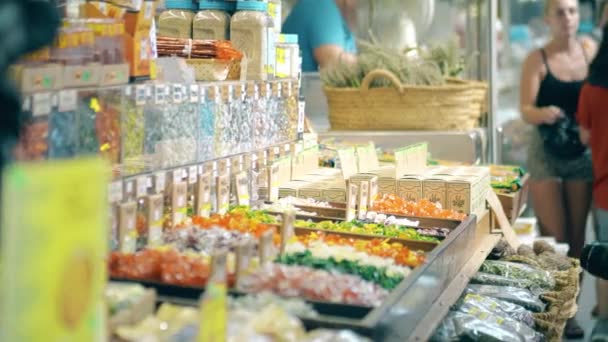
{"type": "Point", "coordinates": [562, 138]}
{"type": "Point", "coordinates": [555, 92]}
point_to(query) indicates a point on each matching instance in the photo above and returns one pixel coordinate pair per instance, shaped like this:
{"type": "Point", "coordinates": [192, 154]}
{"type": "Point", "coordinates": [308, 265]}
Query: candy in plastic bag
{"type": "Point", "coordinates": [541, 278]}
{"type": "Point", "coordinates": [499, 307]}
{"type": "Point", "coordinates": [459, 326]}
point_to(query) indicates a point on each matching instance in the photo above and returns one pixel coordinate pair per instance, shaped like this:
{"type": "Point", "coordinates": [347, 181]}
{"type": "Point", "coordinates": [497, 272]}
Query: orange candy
{"type": "Point", "coordinates": [392, 204]}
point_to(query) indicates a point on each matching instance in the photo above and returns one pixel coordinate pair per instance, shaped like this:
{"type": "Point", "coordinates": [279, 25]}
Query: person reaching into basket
{"type": "Point", "coordinates": [559, 164]}
{"type": "Point", "coordinates": [593, 118]}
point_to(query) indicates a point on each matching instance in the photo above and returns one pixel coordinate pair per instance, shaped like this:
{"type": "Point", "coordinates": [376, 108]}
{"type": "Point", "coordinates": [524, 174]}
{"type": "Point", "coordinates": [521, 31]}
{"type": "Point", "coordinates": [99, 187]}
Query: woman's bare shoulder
{"type": "Point", "coordinates": [534, 60]}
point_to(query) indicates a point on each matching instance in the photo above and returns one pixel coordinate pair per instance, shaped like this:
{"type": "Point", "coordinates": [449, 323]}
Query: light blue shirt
{"type": "Point", "coordinates": [318, 23]}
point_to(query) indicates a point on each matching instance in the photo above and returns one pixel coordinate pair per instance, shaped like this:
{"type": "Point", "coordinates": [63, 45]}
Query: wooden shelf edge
{"type": "Point", "coordinates": [440, 308]}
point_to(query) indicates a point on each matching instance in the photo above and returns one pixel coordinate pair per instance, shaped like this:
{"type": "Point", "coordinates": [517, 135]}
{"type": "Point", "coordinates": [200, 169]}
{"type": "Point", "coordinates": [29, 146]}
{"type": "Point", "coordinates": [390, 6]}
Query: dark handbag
{"type": "Point", "coordinates": [562, 139]}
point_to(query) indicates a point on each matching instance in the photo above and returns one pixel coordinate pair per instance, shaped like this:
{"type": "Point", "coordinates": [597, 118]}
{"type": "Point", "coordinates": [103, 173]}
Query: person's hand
{"type": "Point", "coordinates": [550, 115]}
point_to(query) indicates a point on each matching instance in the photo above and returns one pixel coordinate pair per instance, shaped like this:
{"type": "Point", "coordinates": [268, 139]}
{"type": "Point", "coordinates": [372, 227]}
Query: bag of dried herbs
{"type": "Point", "coordinates": [498, 280]}
{"type": "Point", "coordinates": [482, 326]}
{"type": "Point", "coordinates": [514, 295]}
{"type": "Point", "coordinates": [540, 278]}
{"type": "Point", "coordinates": [499, 307]}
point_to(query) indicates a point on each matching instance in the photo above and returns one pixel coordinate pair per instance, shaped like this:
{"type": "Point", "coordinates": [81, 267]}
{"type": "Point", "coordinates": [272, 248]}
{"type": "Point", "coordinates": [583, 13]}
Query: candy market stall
{"type": "Point", "coordinates": [216, 214]}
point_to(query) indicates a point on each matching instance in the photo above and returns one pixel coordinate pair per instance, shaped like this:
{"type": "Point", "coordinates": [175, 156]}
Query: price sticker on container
{"type": "Point", "coordinates": [160, 94]}
{"type": "Point", "coordinates": [41, 104]}
{"type": "Point", "coordinates": [273, 182]}
{"type": "Point", "coordinates": [127, 229]}
{"type": "Point", "coordinates": [140, 95]}
{"type": "Point", "coordinates": [115, 193]}
{"type": "Point", "coordinates": [179, 203]}
{"type": "Point", "coordinates": [68, 100]}
{"type": "Point", "coordinates": [179, 175]}
{"type": "Point", "coordinates": [223, 194]}
{"type": "Point", "coordinates": [129, 189]}
{"type": "Point", "coordinates": [153, 205]}
{"type": "Point", "coordinates": [203, 195]}
{"type": "Point", "coordinates": [203, 94]}
{"type": "Point", "coordinates": [373, 191]}
{"type": "Point", "coordinates": [363, 199]}
{"type": "Point", "coordinates": [142, 186]}
{"type": "Point", "coordinates": [159, 182]}
{"type": "Point", "coordinates": [242, 188]}
{"type": "Point", "coordinates": [348, 162]}
{"type": "Point", "coordinates": [178, 95]}
{"type": "Point", "coordinates": [351, 201]}
{"type": "Point", "coordinates": [192, 174]}
{"type": "Point", "coordinates": [194, 93]}
{"type": "Point", "coordinates": [367, 158]}
{"type": "Point", "coordinates": [301, 115]}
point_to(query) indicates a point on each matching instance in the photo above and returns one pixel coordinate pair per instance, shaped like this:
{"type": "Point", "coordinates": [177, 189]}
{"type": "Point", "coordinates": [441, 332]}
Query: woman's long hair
{"type": "Point", "coordinates": [598, 70]}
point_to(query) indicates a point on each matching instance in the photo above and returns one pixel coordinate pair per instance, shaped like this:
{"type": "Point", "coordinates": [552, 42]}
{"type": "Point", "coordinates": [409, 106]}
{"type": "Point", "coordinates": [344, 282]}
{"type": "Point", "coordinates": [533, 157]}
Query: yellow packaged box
{"type": "Point", "coordinates": [54, 249]}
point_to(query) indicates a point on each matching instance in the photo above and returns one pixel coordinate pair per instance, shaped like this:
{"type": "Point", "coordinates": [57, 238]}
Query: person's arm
{"type": "Point", "coordinates": [326, 33]}
{"type": "Point", "coordinates": [529, 86]}
{"type": "Point", "coordinates": [328, 54]}
{"type": "Point", "coordinates": [583, 116]}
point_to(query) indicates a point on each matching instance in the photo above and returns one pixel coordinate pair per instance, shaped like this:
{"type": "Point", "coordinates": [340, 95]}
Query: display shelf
{"type": "Point", "coordinates": [483, 246]}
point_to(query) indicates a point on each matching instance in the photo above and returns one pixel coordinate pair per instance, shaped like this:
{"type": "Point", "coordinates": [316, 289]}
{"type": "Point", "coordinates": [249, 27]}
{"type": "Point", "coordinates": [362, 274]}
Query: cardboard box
{"type": "Point", "coordinates": [33, 79]}
{"type": "Point", "coordinates": [78, 76]}
{"type": "Point", "coordinates": [137, 21]}
{"type": "Point", "coordinates": [114, 74]}
{"type": "Point", "coordinates": [410, 188]}
{"type": "Point", "coordinates": [435, 190]}
{"type": "Point", "coordinates": [139, 55]}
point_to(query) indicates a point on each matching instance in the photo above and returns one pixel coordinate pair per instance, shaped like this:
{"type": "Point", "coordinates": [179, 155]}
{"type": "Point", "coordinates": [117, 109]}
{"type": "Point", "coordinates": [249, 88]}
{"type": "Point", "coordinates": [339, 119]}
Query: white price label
{"type": "Point", "coordinates": [142, 186]}
{"type": "Point", "coordinates": [140, 95]}
{"type": "Point", "coordinates": [26, 106]}
{"type": "Point", "coordinates": [192, 174]}
{"type": "Point", "coordinates": [301, 116]}
{"type": "Point", "coordinates": [68, 100]}
{"type": "Point", "coordinates": [178, 96]}
{"type": "Point", "coordinates": [41, 104]}
{"type": "Point", "coordinates": [178, 175]}
{"type": "Point", "coordinates": [160, 94]}
{"type": "Point", "coordinates": [194, 93]}
{"type": "Point", "coordinates": [159, 182]}
{"type": "Point", "coordinates": [115, 192]}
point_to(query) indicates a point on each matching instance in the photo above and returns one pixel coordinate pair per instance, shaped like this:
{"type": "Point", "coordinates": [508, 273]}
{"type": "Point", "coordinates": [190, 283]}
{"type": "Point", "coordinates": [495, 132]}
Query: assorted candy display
{"type": "Point", "coordinates": [393, 204]}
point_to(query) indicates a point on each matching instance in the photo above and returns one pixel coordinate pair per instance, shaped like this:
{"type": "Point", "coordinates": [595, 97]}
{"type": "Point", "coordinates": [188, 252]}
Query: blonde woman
{"type": "Point", "coordinates": [560, 165]}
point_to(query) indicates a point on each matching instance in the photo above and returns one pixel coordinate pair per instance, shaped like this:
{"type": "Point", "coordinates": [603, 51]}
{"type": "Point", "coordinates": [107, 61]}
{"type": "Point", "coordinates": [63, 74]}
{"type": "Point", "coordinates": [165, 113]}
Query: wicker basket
{"type": "Point", "coordinates": [458, 105]}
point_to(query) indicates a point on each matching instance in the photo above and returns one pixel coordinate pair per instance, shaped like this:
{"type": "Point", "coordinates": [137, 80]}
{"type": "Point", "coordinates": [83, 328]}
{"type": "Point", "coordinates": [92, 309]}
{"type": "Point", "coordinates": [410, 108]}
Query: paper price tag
{"type": "Point", "coordinates": [179, 175]}
{"type": "Point", "coordinates": [192, 174]}
{"type": "Point", "coordinates": [223, 194]}
{"type": "Point", "coordinates": [142, 186]}
{"type": "Point", "coordinates": [367, 159]}
{"type": "Point", "coordinates": [301, 115]}
{"type": "Point", "coordinates": [127, 229]}
{"type": "Point", "coordinates": [363, 199]}
{"type": "Point", "coordinates": [401, 162]}
{"type": "Point", "coordinates": [351, 201]}
{"type": "Point", "coordinates": [178, 203]}
{"type": "Point", "coordinates": [373, 191]}
{"type": "Point", "coordinates": [203, 195]}
{"type": "Point", "coordinates": [242, 188]}
{"type": "Point", "coordinates": [348, 162]}
{"type": "Point", "coordinates": [159, 182]}
{"type": "Point", "coordinates": [266, 247]}
{"type": "Point", "coordinates": [273, 182]}
{"type": "Point", "coordinates": [129, 189]}
{"type": "Point", "coordinates": [41, 104]}
{"type": "Point", "coordinates": [222, 166]}
{"type": "Point", "coordinates": [115, 193]}
{"type": "Point", "coordinates": [68, 100]}
{"type": "Point", "coordinates": [287, 230]}
{"type": "Point", "coordinates": [153, 205]}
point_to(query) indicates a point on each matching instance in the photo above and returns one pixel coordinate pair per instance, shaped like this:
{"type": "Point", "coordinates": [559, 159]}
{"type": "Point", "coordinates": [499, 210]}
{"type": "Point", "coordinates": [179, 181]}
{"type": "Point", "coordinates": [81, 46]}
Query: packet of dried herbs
{"type": "Point", "coordinates": [460, 326]}
{"type": "Point", "coordinates": [541, 278]}
{"type": "Point", "coordinates": [498, 280]}
{"type": "Point", "coordinates": [499, 307]}
{"type": "Point", "coordinates": [514, 295]}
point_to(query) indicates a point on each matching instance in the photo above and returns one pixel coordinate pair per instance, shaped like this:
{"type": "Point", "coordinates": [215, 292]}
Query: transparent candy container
{"type": "Point", "coordinates": [222, 121]}
{"type": "Point", "coordinates": [176, 20]}
{"type": "Point", "coordinates": [268, 116]}
{"type": "Point", "coordinates": [154, 110]}
{"type": "Point", "coordinates": [244, 120]}
{"type": "Point", "coordinates": [249, 28]}
{"type": "Point", "coordinates": [278, 110]}
{"type": "Point", "coordinates": [74, 46]}
{"type": "Point", "coordinates": [108, 124]}
{"type": "Point", "coordinates": [88, 107]}
{"type": "Point", "coordinates": [206, 141]}
{"type": "Point", "coordinates": [292, 109]}
{"type": "Point", "coordinates": [63, 133]}
{"type": "Point", "coordinates": [258, 109]}
{"type": "Point", "coordinates": [179, 130]}
{"type": "Point", "coordinates": [212, 21]}
{"type": "Point", "coordinates": [33, 144]}
{"type": "Point", "coordinates": [133, 123]}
